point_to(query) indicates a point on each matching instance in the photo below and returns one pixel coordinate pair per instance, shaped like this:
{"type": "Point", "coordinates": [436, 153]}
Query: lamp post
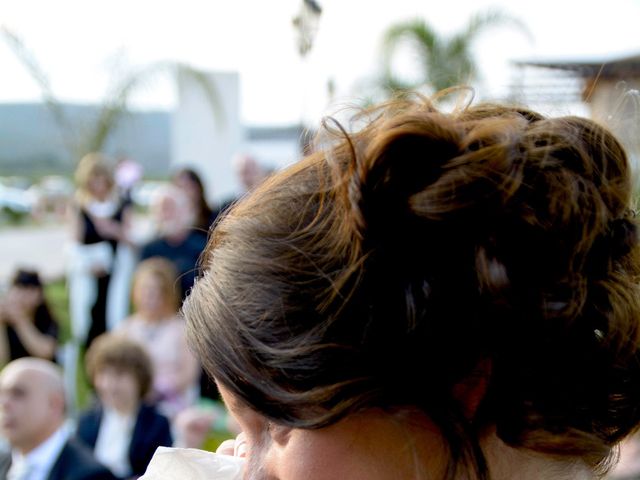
{"type": "Point", "coordinates": [305, 24]}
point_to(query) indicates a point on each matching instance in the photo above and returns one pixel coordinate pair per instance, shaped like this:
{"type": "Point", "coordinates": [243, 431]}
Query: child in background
{"type": "Point", "coordinates": [122, 430]}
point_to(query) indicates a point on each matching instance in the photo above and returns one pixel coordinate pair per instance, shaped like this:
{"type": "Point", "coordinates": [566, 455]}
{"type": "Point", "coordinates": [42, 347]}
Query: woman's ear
{"type": "Point", "coordinates": [471, 391]}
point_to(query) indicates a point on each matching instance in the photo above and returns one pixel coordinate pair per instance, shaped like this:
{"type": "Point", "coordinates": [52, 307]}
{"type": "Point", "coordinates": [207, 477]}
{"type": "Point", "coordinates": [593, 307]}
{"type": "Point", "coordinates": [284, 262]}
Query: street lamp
{"type": "Point", "coordinates": [306, 25]}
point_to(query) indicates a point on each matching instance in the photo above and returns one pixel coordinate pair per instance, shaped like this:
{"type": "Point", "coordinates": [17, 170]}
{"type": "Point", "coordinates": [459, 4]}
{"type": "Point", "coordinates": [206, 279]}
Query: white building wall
{"type": "Point", "coordinates": [273, 154]}
{"type": "Point", "coordinates": [207, 141]}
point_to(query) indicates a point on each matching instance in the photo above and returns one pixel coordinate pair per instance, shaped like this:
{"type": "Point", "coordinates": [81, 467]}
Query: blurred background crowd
{"type": "Point", "coordinates": [126, 135]}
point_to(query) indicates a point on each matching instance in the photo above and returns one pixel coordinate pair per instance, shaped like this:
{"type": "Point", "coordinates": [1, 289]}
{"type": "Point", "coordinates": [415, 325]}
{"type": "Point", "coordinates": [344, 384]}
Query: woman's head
{"type": "Point", "coordinates": [27, 289]}
{"type": "Point", "coordinates": [155, 289]}
{"type": "Point", "coordinates": [172, 212]}
{"type": "Point", "coordinates": [120, 371]}
{"type": "Point", "coordinates": [187, 180]}
{"type": "Point", "coordinates": [427, 256]}
{"type": "Point", "coordinates": [94, 177]}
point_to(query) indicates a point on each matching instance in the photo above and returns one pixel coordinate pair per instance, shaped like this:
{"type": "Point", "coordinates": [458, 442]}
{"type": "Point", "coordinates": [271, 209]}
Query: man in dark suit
{"type": "Point", "coordinates": [177, 241]}
{"type": "Point", "coordinates": [32, 416]}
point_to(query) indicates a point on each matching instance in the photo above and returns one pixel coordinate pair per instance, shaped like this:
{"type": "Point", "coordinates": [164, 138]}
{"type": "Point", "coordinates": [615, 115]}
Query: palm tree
{"type": "Point", "coordinates": [32, 66]}
{"type": "Point", "coordinates": [114, 106]}
{"type": "Point", "coordinates": [443, 61]}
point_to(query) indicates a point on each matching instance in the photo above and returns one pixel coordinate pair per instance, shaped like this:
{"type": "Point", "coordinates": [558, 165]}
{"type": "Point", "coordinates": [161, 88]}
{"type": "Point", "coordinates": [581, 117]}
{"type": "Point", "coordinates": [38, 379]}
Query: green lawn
{"type": "Point", "coordinates": [57, 296]}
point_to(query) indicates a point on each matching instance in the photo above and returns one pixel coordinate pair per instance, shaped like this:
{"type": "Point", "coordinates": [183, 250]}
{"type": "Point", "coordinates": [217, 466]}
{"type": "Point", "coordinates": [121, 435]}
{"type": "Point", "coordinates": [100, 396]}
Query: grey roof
{"type": "Point", "coordinates": [274, 133]}
{"type": "Point", "coordinates": [616, 68]}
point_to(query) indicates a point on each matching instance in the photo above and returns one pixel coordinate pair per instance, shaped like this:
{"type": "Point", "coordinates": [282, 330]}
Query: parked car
{"type": "Point", "coordinates": [16, 200]}
{"type": "Point", "coordinates": [52, 195]}
{"type": "Point", "coordinates": [143, 193]}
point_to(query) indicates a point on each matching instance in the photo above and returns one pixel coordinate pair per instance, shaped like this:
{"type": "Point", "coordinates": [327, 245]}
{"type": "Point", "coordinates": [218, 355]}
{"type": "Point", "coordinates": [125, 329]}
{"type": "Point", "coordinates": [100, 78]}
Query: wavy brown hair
{"type": "Point", "coordinates": [125, 355]}
{"type": "Point", "coordinates": [382, 270]}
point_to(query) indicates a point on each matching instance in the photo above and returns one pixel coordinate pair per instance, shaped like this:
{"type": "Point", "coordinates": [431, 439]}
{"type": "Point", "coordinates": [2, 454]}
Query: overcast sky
{"type": "Point", "coordinates": [81, 43]}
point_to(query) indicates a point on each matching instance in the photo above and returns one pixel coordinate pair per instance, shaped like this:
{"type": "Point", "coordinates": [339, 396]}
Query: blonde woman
{"type": "Point", "coordinates": [100, 261]}
{"type": "Point", "coordinates": [99, 221]}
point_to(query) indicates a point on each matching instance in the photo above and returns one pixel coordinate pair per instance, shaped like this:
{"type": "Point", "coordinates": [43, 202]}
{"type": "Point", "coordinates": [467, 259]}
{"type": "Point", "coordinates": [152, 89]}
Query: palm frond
{"type": "Point", "coordinates": [411, 29]}
{"type": "Point", "coordinates": [113, 108]}
{"type": "Point", "coordinates": [392, 85]}
{"type": "Point", "coordinates": [492, 18]}
{"type": "Point", "coordinates": [444, 62]}
{"type": "Point", "coordinates": [115, 105]}
{"type": "Point", "coordinates": [208, 87]}
{"type": "Point", "coordinates": [37, 73]}
{"type": "Point", "coordinates": [417, 33]}
{"type": "Point", "coordinates": [458, 66]}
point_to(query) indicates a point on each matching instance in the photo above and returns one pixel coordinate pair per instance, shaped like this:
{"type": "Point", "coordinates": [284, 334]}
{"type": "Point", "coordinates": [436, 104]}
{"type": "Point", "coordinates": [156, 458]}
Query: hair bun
{"type": "Point", "coordinates": [623, 233]}
{"type": "Point", "coordinates": [402, 162]}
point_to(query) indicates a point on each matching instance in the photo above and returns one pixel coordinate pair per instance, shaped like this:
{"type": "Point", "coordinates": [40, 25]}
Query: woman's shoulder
{"type": "Point", "coordinates": [176, 319]}
{"type": "Point", "coordinates": [45, 321]}
{"type": "Point", "coordinates": [89, 417]}
{"type": "Point", "coordinates": [176, 323]}
{"type": "Point", "coordinates": [151, 413]}
{"type": "Point", "coordinates": [127, 322]}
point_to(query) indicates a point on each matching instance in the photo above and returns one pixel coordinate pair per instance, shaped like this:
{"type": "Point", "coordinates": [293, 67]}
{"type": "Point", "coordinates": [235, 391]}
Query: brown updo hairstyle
{"type": "Point", "coordinates": [382, 270]}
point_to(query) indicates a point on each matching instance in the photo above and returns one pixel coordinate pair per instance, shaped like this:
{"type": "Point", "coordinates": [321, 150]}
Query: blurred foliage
{"type": "Point", "coordinates": [442, 61]}
{"type": "Point", "coordinates": [13, 218]}
{"type": "Point", "coordinates": [58, 300]}
{"type": "Point", "coordinates": [30, 63]}
{"type": "Point", "coordinates": [114, 106]}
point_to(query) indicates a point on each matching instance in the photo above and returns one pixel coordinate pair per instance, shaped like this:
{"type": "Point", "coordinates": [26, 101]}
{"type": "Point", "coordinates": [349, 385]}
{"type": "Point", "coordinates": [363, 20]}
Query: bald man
{"type": "Point", "coordinates": [249, 171]}
{"type": "Point", "coordinates": [32, 416]}
{"type": "Point", "coordinates": [178, 242]}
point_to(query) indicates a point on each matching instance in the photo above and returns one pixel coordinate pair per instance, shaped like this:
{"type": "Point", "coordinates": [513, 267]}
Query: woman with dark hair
{"type": "Point", "coordinates": [435, 296]}
{"type": "Point", "coordinates": [27, 328]}
{"type": "Point", "coordinates": [187, 180]}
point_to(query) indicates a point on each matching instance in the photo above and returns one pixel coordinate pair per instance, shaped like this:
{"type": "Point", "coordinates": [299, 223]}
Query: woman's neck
{"type": "Point", "coordinates": [426, 456]}
{"type": "Point", "coordinates": [508, 463]}
{"type": "Point", "coordinates": [155, 316]}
